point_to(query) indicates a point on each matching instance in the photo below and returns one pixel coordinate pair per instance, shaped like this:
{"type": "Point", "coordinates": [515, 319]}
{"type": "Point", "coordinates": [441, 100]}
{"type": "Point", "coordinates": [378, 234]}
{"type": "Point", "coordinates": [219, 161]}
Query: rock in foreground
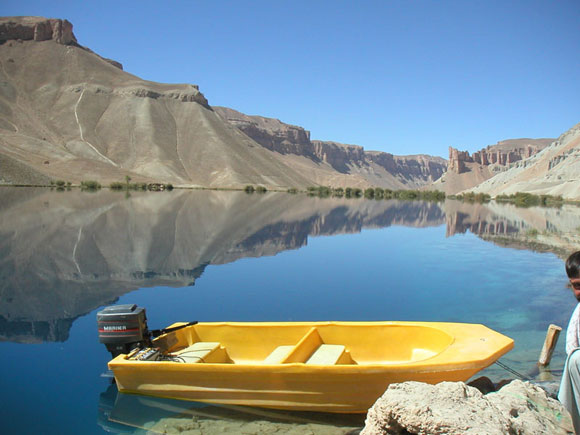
{"type": "Point", "coordinates": [455, 408]}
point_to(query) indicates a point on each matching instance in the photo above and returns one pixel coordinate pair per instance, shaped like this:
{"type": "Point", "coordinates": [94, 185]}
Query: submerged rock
{"type": "Point", "coordinates": [456, 408]}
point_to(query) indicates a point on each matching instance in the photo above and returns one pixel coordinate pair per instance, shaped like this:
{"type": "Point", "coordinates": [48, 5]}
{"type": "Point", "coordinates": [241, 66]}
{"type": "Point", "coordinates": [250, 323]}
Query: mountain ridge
{"type": "Point", "coordinates": [376, 168]}
{"type": "Point", "coordinates": [68, 113]}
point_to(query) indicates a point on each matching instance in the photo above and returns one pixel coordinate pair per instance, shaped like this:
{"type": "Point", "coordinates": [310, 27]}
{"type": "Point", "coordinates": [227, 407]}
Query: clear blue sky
{"type": "Point", "coordinates": [406, 77]}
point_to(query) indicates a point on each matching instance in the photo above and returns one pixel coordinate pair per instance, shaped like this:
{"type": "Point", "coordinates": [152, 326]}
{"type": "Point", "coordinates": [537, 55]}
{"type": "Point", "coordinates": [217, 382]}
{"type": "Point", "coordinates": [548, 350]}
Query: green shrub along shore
{"type": "Point", "coordinates": [93, 186]}
{"type": "Point", "coordinates": [375, 193]}
{"type": "Point", "coordinates": [258, 189]}
{"type": "Point", "coordinates": [519, 199]}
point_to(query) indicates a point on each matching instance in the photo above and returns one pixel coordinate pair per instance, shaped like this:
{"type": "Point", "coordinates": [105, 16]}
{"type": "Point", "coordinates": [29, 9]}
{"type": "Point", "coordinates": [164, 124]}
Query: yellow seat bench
{"type": "Point", "coordinates": [329, 354]}
{"type": "Point", "coordinates": [310, 349]}
{"type": "Point", "coordinates": [203, 352]}
{"type": "Point", "coordinates": [278, 354]}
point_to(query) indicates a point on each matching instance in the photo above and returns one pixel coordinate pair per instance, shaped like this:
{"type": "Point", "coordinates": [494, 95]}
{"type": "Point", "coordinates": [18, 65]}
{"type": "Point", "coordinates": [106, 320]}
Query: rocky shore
{"type": "Point", "coordinates": [456, 408]}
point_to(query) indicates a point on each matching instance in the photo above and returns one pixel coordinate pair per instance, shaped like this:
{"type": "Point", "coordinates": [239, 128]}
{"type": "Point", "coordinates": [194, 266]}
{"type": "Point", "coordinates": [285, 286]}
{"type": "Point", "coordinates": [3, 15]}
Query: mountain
{"type": "Point", "coordinates": [553, 171]}
{"type": "Point", "coordinates": [336, 164]}
{"type": "Point", "coordinates": [465, 171]}
{"type": "Point", "coordinates": [68, 113]}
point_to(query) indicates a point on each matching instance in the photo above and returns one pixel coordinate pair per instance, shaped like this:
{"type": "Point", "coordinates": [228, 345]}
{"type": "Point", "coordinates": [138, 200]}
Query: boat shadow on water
{"type": "Point", "coordinates": [131, 413]}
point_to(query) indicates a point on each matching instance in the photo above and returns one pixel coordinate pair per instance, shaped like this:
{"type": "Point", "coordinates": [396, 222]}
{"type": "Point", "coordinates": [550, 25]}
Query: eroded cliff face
{"type": "Point", "coordinates": [503, 153]}
{"type": "Point", "coordinates": [37, 29]}
{"type": "Point", "coordinates": [555, 170]}
{"type": "Point", "coordinates": [339, 156]}
{"type": "Point", "coordinates": [375, 167]}
{"type": "Point", "coordinates": [67, 113]}
{"type": "Point", "coordinates": [269, 132]}
{"type": "Point", "coordinates": [43, 29]}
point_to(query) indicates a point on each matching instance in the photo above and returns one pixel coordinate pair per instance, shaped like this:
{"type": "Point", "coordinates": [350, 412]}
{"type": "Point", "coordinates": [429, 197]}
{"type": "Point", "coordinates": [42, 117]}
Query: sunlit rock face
{"type": "Point", "coordinates": [553, 171]}
{"type": "Point", "coordinates": [37, 29]}
{"type": "Point", "coordinates": [371, 168]}
{"type": "Point", "coordinates": [67, 113]}
{"type": "Point", "coordinates": [503, 153]}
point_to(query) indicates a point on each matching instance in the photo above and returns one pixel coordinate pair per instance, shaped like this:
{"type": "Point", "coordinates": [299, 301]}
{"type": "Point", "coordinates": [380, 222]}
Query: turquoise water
{"type": "Point", "coordinates": [226, 256]}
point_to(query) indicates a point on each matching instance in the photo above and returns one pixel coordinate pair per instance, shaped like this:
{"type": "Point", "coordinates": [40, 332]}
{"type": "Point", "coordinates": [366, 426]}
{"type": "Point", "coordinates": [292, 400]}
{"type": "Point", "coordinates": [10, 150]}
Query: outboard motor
{"type": "Point", "coordinates": [123, 328]}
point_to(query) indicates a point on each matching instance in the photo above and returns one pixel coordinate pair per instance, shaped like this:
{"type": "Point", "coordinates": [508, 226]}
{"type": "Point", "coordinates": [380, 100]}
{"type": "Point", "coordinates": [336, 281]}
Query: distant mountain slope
{"type": "Point", "coordinates": [335, 163]}
{"type": "Point", "coordinates": [465, 171]}
{"type": "Point", "coordinates": [65, 112]}
{"type": "Point", "coordinates": [554, 171]}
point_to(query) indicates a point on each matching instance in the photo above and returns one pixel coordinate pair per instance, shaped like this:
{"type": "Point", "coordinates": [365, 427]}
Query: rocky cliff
{"type": "Point", "coordinates": [370, 167]}
{"type": "Point", "coordinates": [37, 29]}
{"type": "Point", "coordinates": [465, 171]}
{"type": "Point", "coordinates": [555, 170]}
{"type": "Point", "coordinates": [270, 133]}
{"type": "Point", "coordinates": [66, 113]}
{"type": "Point", "coordinates": [42, 29]}
{"type": "Point", "coordinates": [503, 153]}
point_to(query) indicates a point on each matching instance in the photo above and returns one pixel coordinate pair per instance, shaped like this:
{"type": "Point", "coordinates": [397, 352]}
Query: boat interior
{"type": "Point", "coordinates": [320, 344]}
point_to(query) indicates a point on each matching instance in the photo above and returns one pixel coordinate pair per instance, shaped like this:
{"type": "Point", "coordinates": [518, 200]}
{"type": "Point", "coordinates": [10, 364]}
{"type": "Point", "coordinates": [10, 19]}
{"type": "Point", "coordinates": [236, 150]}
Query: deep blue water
{"type": "Point", "coordinates": [389, 272]}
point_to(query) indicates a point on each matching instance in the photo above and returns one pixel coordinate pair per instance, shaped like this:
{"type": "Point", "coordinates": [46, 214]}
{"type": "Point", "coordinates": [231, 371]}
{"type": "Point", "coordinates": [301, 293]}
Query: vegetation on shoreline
{"type": "Point", "coordinates": [522, 199]}
{"type": "Point", "coordinates": [60, 185]}
{"type": "Point", "coordinates": [375, 193]}
{"type": "Point", "coordinates": [519, 199]}
{"type": "Point", "coordinates": [258, 189]}
{"type": "Point", "coordinates": [472, 197]}
{"type": "Point", "coordinates": [90, 185]}
{"type": "Point", "coordinates": [154, 187]}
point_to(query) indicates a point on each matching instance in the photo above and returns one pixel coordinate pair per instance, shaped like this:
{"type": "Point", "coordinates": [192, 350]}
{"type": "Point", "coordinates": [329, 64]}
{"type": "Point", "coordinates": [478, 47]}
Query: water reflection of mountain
{"type": "Point", "coordinates": [539, 229]}
{"type": "Point", "coordinates": [63, 254]}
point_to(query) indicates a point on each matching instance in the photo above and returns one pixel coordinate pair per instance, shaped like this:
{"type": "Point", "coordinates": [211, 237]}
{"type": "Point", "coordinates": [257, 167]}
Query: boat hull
{"type": "Point", "coordinates": [349, 387]}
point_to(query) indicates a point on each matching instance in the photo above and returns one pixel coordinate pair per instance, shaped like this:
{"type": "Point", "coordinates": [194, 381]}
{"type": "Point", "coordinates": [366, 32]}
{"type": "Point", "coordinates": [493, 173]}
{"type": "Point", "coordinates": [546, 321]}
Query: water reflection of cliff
{"type": "Point", "coordinates": [539, 229]}
{"type": "Point", "coordinates": [63, 254]}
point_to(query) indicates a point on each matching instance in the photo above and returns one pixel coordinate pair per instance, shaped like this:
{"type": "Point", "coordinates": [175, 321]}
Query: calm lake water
{"type": "Point", "coordinates": [213, 256]}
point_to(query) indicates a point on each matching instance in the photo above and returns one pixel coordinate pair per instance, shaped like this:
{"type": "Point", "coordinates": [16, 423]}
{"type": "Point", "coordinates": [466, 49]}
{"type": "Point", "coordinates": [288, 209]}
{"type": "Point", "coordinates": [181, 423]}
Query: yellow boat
{"type": "Point", "coordinates": [312, 366]}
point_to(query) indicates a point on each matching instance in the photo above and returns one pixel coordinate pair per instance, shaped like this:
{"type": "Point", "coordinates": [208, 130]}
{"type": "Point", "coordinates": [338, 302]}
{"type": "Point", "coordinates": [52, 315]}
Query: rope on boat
{"type": "Point", "coordinates": [512, 371]}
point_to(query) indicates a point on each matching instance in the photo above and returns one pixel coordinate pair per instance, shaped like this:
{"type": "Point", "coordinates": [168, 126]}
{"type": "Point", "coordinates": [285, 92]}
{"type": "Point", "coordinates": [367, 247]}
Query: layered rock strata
{"type": "Point", "coordinates": [375, 167]}
{"type": "Point", "coordinates": [37, 29]}
{"type": "Point", "coordinates": [67, 113]}
{"type": "Point", "coordinates": [555, 170]}
{"type": "Point", "coordinates": [42, 29]}
{"type": "Point", "coordinates": [503, 153]}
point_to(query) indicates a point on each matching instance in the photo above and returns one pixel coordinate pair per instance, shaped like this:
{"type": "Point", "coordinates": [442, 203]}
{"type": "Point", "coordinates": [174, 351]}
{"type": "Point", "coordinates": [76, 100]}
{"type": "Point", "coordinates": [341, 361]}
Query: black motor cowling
{"type": "Point", "coordinates": [123, 328]}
